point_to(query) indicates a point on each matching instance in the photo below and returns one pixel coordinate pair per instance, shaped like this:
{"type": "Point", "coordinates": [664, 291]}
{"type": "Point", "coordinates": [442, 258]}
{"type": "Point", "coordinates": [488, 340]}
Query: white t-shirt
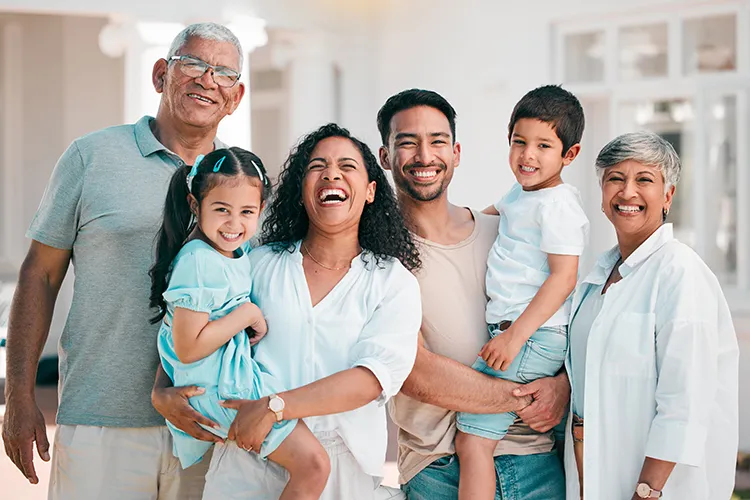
{"type": "Point", "coordinates": [533, 224]}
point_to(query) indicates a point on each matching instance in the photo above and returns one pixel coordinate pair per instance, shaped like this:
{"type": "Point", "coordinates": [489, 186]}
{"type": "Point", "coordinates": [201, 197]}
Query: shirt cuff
{"type": "Point", "coordinates": [677, 442]}
{"type": "Point", "coordinates": [382, 374]}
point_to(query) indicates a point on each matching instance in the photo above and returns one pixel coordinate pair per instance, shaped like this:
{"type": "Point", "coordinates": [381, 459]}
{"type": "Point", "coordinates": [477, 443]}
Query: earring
{"type": "Point", "coordinates": [602, 208]}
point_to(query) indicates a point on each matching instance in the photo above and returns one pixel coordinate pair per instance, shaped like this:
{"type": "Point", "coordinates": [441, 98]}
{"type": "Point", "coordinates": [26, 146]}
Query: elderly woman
{"type": "Point", "coordinates": [343, 314]}
{"type": "Point", "coordinates": [653, 355]}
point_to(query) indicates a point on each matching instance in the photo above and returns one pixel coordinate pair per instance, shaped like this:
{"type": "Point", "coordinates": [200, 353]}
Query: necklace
{"type": "Point", "coordinates": [307, 250]}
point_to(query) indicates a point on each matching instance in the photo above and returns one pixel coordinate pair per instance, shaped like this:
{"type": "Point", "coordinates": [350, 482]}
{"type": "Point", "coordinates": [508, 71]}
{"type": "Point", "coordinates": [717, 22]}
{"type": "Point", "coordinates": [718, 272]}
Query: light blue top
{"type": "Point", "coordinates": [533, 224]}
{"type": "Point", "coordinates": [206, 281]}
{"type": "Point", "coordinates": [578, 335]}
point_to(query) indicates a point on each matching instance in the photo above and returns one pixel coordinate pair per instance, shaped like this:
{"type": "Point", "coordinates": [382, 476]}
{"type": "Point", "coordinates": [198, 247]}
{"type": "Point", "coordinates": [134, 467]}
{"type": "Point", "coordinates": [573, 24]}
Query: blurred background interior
{"type": "Point", "coordinates": [678, 67]}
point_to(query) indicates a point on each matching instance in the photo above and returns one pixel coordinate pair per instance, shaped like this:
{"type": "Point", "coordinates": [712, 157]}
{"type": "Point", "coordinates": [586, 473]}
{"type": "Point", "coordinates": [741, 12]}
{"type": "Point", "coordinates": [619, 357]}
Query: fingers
{"type": "Point", "coordinates": [199, 432]}
{"type": "Point", "coordinates": [26, 461]}
{"type": "Point", "coordinates": [42, 443]}
{"type": "Point", "coordinates": [234, 404]}
{"type": "Point", "coordinates": [529, 389]}
{"type": "Point", "coordinates": [189, 391]}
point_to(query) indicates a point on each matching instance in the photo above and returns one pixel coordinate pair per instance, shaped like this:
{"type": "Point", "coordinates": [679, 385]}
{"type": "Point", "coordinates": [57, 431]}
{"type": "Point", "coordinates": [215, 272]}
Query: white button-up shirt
{"type": "Point", "coordinates": [661, 376]}
{"type": "Point", "coordinates": [371, 318]}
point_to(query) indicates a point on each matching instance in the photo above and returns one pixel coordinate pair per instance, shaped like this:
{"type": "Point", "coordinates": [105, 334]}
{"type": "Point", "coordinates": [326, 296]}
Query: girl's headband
{"type": "Point", "coordinates": [217, 167]}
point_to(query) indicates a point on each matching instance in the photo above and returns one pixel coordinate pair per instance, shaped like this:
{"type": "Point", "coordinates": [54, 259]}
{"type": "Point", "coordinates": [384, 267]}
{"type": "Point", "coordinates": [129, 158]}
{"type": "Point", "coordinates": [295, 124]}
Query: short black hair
{"type": "Point", "coordinates": [554, 105]}
{"type": "Point", "coordinates": [412, 98]}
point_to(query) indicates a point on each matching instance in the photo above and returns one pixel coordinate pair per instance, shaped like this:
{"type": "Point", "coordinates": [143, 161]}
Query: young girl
{"type": "Point", "coordinates": [201, 286]}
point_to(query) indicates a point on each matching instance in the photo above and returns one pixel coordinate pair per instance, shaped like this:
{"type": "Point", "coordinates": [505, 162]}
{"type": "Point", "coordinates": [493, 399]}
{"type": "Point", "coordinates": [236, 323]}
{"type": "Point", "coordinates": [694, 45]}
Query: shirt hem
{"type": "Point", "coordinates": [102, 421]}
{"type": "Point", "coordinates": [50, 241]}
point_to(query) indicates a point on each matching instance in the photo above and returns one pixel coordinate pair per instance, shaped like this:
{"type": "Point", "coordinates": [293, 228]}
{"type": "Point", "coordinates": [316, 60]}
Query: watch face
{"type": "Point", "coordinates": [276, 404]}
{"type": "Point", "coordinates": [643, 490]}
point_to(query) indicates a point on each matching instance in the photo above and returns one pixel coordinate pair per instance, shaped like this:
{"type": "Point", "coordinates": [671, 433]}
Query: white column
{"type": "Point", "coordinates": [235, 128]}
{"type": "Point", "coordinates": [11, 156]}
{"type": "Point", "coordinates": [311, 86]}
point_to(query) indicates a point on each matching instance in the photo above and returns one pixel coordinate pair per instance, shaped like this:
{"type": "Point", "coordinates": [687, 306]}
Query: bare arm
{"type": "Point", "coordinates": [40, 278]}
{"type": "Point", "coordinates": [491, 210]}
{"type": "Point", "coordinates": [444, 382]}
{"type": "Point", "coordinates": [500, 352]}
{"type": "Point", "coordinates": [655, 473]}
{"type": "Point", "coordinates": [337, 393]}
{"type": "Point", "coordinates": [343, 391]}
{"type": "Point", "coordinates": [195, 337]}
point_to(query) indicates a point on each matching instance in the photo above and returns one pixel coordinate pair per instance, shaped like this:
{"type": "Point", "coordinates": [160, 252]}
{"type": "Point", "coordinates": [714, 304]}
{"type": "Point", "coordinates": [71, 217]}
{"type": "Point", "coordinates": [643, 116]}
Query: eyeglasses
{"type": "Point", "coordinates": [195, 68]}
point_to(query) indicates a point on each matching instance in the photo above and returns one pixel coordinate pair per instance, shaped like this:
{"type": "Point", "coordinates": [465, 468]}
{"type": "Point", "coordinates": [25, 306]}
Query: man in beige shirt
{"type": "Point", "coordinates": [418, 132]}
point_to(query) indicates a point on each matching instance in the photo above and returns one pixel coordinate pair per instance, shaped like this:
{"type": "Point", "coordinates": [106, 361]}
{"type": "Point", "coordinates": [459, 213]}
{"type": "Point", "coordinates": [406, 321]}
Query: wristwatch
{"type": "Point", "coordinates": [276, 405]}
{"type": "Point", "coordinates": [643, 490]}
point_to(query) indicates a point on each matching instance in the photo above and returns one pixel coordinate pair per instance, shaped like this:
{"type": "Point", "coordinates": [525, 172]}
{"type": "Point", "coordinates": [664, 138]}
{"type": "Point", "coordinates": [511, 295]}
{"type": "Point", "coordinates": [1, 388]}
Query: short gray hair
{"type": "Point", "coordinates": [644, 147]}
{"type": "Point", "coordinates": [206, 31]}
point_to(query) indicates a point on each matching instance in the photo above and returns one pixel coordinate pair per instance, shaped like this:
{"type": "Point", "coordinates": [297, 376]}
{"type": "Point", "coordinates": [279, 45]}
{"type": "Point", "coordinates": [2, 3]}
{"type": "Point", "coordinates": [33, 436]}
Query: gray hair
{"type": "Point", "coordinates": [206, 31]}
{"type": "Point", "coordinates": [644, 147]}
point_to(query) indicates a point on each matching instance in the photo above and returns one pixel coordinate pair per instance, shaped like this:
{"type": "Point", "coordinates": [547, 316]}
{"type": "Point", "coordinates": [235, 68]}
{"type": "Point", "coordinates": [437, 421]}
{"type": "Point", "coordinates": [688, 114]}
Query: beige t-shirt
{"type": "Point", "coordinates": [452, 280]}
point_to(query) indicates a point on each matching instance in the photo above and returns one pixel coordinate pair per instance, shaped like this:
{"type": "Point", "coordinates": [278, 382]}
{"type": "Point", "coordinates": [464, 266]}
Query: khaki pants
{"type": "Point", "coordinates": [97, 463]}
{"type": "Point", "coordinates": [235, 474]}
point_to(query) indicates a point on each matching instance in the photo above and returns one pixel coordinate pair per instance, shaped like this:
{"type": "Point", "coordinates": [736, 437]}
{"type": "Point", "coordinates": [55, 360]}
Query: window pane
{"type": "Point", "coordinates": [721, 199]}
{"type": "Point", "coordinates": [643, 51]}
{"type": "Point", "coordinates": [674, 121]}
{"type": "Point", "coordinates": [584, 57]}
{"type": "Point", "coordinates": [710, 44]}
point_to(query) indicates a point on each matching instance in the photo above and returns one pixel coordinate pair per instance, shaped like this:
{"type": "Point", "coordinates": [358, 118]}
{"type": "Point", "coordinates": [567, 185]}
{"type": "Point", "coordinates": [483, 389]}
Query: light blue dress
{"type": "Point", "coordinates": [204, 280]}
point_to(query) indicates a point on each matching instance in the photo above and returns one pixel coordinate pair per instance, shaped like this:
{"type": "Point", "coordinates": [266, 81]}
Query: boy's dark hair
{"type": "Point", "coordinates": [412, 98]}
{"type": "Point", "coordinates": [554, 105]}
{"type": "Point", "coordinates": [220, 165]}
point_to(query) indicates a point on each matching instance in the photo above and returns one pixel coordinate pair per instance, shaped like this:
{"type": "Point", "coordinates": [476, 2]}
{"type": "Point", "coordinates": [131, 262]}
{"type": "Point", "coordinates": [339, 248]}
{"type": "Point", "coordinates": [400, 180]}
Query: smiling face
{"type": "Point", "coordinates": [336, 186]}
{"type": "Point", "coordinates": [634, 199]}
{"type": "Point", "coordinates": [228, 213]}
{"type": "Point", "coordinates": [420, 153]}
{"type": "Point", "coordinates": [198, 102]}
{"type": "Point", "coordinates": [536, 154]}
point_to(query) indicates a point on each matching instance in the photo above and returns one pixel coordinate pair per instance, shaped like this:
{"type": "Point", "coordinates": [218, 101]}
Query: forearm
{"type": "Point", "coordinates": [162, 380]}
{"type": "Point", "coordinates": [547, 301]}
{"type": "Point", "coordinates": [491, 210]}
{"type": "Point", "coordinates": [343, 391]}
{"type": "Point", "coordinates": [30, 318]}
{"type": "Point", "coordinates": [191, 345]}
{"type": "Point", "coordinates": [444, 382]}
{"type": "Point", "coordinates": [655, 473]}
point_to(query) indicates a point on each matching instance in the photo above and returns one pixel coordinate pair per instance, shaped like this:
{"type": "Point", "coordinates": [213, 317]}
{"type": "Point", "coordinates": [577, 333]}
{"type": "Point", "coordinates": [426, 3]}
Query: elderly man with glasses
{"type": "Point", "coordinates": [101, 211]}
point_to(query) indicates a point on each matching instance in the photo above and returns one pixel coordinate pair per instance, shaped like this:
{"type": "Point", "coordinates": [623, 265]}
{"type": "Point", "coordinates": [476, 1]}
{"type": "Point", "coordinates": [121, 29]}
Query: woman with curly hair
{"type": "Point", "coordinates": [343, 312]}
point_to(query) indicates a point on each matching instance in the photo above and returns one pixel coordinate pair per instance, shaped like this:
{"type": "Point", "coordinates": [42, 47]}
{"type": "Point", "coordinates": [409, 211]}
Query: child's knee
{"type": "Point", "coordinates": [469, 444]}
{"type": "Point", "coordinates": [317, 466]}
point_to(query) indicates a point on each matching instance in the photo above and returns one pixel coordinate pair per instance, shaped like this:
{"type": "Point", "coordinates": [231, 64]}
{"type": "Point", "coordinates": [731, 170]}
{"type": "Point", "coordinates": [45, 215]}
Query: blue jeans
{"type": "Point", "coordinates": [541, 356]}
{"type": "Point", "coordinates": [519, 477]}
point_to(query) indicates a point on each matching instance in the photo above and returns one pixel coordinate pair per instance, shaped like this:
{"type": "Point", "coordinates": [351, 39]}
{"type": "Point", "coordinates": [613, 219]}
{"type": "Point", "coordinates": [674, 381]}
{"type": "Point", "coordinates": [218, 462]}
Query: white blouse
{"type": "Point", "coordinates": [661, 376]}
{"type": "Point", "coordinates": [371, 318]}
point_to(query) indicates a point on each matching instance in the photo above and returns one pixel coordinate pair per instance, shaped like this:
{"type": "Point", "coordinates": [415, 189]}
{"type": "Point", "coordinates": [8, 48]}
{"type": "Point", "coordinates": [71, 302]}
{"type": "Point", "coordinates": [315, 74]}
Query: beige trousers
{"type": "Point", "coordinates": [98, 463]}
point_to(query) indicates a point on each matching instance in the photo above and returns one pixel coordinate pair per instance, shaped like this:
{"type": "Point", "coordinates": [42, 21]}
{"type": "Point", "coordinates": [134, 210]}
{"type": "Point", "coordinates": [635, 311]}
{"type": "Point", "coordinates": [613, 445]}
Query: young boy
{"type": "Point", "coordinates": [532, 269]}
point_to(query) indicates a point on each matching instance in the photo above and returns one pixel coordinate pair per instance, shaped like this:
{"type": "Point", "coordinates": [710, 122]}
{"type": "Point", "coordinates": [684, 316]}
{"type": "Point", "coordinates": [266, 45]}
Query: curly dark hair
{"type": "Point", "coordinates": [382, 230]}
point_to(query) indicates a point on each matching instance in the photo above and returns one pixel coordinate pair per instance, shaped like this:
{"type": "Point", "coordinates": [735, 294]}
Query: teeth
{"type": "Point", "coordinates": [528, 169]}
{"type": "Point", "coordinates": [231, 236]}
{"type": "Point", "coordinates": [338, 193]}
{"type": "Point", "coordinates": [424, 174]}
{"type": "Point", "coordinates": [201, 98]}
{"type": "Point", "coordinates": [628, 208]}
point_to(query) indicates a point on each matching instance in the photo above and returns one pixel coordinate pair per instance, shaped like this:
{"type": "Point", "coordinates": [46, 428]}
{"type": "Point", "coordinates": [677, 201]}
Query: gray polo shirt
{"type": "Point", "coordinates": [104, 202]}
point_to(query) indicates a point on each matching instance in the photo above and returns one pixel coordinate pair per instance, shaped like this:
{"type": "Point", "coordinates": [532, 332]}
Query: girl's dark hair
{"type": "Point", "coordinates": [178, 222]}
{"type": "Point", "coordinates": [381, 228]}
